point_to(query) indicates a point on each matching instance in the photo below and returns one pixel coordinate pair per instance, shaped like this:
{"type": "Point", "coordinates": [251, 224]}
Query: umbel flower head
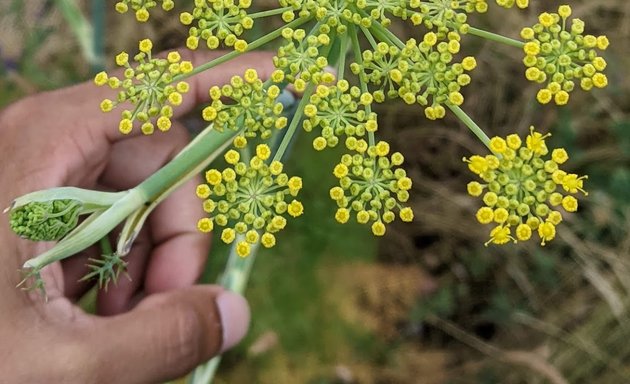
{"type": "Point", "coordinates": [218, 22]}
{"type": "Point", "coordinates": [372, 186]}
{"type": "Point", "coordinates": [301, 57]}
{"type": "Point", "coordinates": [142, 7]}
{"type": "Point", "coordinates": [148, 87]}
{"type": "Point", "coordinates": [252, 106]}
{"type": "Point", "coordinates": [422, 73]}
{"type": "Point", "coordinates": [560, 56]}
{"type": "Point", "coordinates": [249, 199]}
{"type": "Point", "coordinates": [339, 110]}
{"type": "Point", "coordinates": [45, 220]}
{"type": "Point", "coordinates": [523, 188]}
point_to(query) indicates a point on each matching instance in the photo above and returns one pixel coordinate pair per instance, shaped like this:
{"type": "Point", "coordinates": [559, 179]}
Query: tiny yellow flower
{"type": "Point", "coordinates": [232, 157]}
{"type": "Point", "coordinates": [263, 151]}
{"type": "Point", "coordinates": [498, 145]}
{"type": "Point", "coordinates": [559, 155]}
{"type": "Point", "coordinates": [145, 45]}
{"type": "Point", "coordinates": [341, 170]}
{"type": "Point", "coordinates": [547, 232]}
{"type": "Point", "coordinates": [295, 183]}
{"type": "Point", "coordinates": [268, 240]}
{"type": "Point", "coordinates": [406, 214]}
{"type": "Point", "coordinates": [203, 191]}
{"type": "Point", "coordinates": [378, 228]}
{"type": "Point", "coordinates": [243, 248]}
{"type": "Point", "coordinates": [213, 177]}
{"type": "Point", "coordinates": [142, 15]}
{"type": "Point", "coordinates": [295, 208]}
{"type": "Point", "coordinates": [523, 232]}
{"type": "Point", "coordinates": [500, 235]}
{"type": "Point", "coordinates": [485, 215]}
{"type": "Point", "coordinates": [205, 225]}
{"type": "Point", "coordinates": [122, 59]}
{"type": "Point", "coordinates": [101, 78]}
{"type": "Point", "coordinates": [342, 215]}
{"type": "Point", "coordinates": [252, 236]}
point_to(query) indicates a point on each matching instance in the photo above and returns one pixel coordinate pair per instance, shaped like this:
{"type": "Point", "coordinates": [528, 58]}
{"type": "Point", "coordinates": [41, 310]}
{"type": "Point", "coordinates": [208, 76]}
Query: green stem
{"type": "Point", "coordinates": [369, 37]}
{"type": "Point", "coordinates": [356, 47]}
{"type": "Point", "coordinates": [101, 223]}
{"type": "Point", "coordinates": [386, 34]}
{"type": "Point", "coordinates": [343, 48]}
{"type": "Point", "coordinates": [295, 121]}
{"type": "Point", "coordinates": [106, 246]}
{"type": "Point", "coordinates": [495, 37]}
{"type": "Point", "coordinates": [271, 12]}
{"type": "Point", "coordinates": [470, 124]}
{"type": "Point", "coordinates": [234, 278]}
{"type": "Point", "coordinates": [250, 47]}
{"type": "Point", "coordinates": [81, 28]}
{"type": "Point", "coordinates": [98, 40]}
{"type": "Point", "coordinates": [134, 223]}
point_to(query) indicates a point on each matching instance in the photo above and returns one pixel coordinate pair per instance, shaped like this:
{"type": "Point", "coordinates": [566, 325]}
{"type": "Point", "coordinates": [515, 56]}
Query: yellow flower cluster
{"type": "Point", "coordinates": [372, 186]}
{"type": "Point", "coordinates": [148, 87]}
{"type": "Point", "coordinates": [249, 199]}
{"type": "Point", "coordinates": [339, 110]}
{"type": "Point", "coordinates": [142, 7]}
{"type": "Point", "coordinates": [559, 56]}
{"type": "Point", "coordinates": [422, 73]}
{"type": "Point", "coordinates": [218, 22]}
{"type": "Point", "coordinates": [522, 188]}
{"type": "Point", "coordinates": [251, 106]}
{"type": "Point", "coordinates": [301, 57]}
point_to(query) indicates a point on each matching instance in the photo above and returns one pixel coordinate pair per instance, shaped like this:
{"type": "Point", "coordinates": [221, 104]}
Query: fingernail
{"type": "Point", "coordinates": [234, 312]}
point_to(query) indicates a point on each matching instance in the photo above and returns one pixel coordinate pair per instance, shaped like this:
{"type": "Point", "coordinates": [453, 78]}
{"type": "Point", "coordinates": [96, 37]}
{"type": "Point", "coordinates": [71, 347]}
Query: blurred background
{"type": "Point", "coordinates": [428, 303]}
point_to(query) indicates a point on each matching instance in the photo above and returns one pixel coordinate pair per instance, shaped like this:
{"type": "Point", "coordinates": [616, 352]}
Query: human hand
{"type": "Point", "coordinates": [161, 325]}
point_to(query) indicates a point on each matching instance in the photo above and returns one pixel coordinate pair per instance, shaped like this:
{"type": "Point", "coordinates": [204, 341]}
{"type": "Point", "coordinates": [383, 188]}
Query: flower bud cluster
{"type": "Point", "coordinates": [148, 87]}
{"type": "Point", "coordinates": [422, 73]}
{"type": "Point", "coordinates": [45, 221]}
{"type": "Point", "coordinates": [218, 22]}
{"type": "Point", "coordinates": [371, 185]}
{"type": "Point", "coordinates": [339, 110]}
{"type": "Point", "coordinates": [560, 56]}
{"type": "Point", "coordinates": [301, 57]}
{"type": "Point", "coordinates": [251, 106]}
{"type": "Point", "coordinates": [522, 188]}
{"type": "Point", "coordinates": [249, 199]}
{"type": "Point", "coordinates": [142, 7]}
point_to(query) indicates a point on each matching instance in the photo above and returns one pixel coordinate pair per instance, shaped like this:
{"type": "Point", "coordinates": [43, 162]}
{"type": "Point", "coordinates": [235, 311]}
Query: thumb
{"type": "Point", "coordinates": [168, 334]}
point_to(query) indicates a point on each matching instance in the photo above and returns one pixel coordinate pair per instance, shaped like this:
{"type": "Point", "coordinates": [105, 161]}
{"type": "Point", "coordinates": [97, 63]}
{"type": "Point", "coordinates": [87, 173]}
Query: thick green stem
{"type": "Point", "coordinates": [150, 190]}
{"type": "Point", "coordinates": [197, 152]}
{"type": "Point", "coordinates": [250, 47]}
{"type": "Point", "coordinates": [470, 124]}
{"type": "Point", "coordinates": [495, 37]}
